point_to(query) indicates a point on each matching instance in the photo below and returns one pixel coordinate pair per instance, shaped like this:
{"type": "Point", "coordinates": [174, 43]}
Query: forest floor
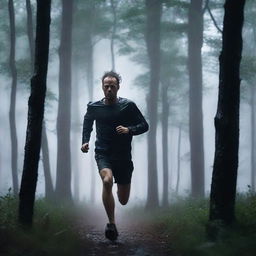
{"type": "Point", "coordinates": [78, 230]}
{"type": "Point", "coordinates": [136, 237]}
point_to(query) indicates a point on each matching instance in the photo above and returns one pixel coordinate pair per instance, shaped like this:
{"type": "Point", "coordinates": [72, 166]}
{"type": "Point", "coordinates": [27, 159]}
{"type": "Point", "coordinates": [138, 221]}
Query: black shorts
{"type": "Point", "coordinates": [121, 168]}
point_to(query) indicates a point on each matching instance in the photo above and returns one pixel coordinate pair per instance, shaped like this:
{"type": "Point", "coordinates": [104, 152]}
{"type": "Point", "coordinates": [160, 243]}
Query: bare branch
{"type": "Point", "coordinates": [214, 21]}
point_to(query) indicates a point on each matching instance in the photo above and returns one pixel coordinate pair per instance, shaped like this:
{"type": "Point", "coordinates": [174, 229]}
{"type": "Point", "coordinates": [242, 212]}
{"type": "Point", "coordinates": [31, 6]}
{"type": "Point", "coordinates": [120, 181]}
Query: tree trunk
{"type": "Point", "coordinates": [35, 114]}
{"type": "Point", "coordinates": [165, 120]}
{"type": "Point", "coordinates": [63, 179]}
{"type": "Point", "coordinates": [13, 132]}
{"type": "Point", "coordinates": [224, 177]}
{"type": "Point", "coordinates": [89, 66]}
{"type": "Point", "coordinates": [49, 191]}
{"type": "Point", "coordinates": [153, 12]}
{"type": "Point", "coordinates": [253, 164]}
{"type": "Point", "coordinates": [178, 162]}
{"type": "Point", "coordinates": [46, 161]}
{"type": "Point", "coordinates": [30, 32]}
{"type": "Point", "coordinates": [76, 131]}
{"type": "Point", "coordinates": [113, 34]}
{"type": "Point", "coordinates": [196, 133]}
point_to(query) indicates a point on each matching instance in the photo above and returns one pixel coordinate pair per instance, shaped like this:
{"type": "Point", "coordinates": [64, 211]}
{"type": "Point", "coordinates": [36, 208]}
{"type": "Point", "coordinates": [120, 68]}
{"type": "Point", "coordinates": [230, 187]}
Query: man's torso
{"type": "Point", "coordinates": [107, 118]}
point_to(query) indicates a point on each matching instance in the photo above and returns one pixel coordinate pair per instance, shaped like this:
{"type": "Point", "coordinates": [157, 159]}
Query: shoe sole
{"type": "Point", "coordinates": [111, 235]}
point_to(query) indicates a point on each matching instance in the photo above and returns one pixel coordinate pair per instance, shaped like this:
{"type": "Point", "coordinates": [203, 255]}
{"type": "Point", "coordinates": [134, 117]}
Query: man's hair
{"type": "Point", "coordinates": [112, 74]}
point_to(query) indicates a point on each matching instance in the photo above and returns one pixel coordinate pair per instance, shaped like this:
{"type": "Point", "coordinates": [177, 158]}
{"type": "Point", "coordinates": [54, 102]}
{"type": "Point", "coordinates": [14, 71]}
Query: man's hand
{"type": "Point", "coordinates": [122, 130]}
{"type": "Point", "coordinates": [85, 147]}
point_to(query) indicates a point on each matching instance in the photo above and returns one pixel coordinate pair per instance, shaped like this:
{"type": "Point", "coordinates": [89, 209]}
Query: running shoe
{"type": "Point", "coordinates": [111, 232]}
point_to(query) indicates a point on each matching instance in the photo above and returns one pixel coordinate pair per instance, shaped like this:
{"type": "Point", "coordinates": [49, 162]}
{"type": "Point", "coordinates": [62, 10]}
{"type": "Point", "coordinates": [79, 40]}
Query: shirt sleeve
{"type": "Point", "coordinates": [87, 125]}
{"type": "Point", "coordinates": [140, 125]}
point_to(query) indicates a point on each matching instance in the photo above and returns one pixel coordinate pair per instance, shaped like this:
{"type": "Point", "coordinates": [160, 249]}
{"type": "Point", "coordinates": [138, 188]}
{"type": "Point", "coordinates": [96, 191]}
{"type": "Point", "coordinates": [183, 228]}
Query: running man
{"type": "Point", "coordinates": [117, 120]}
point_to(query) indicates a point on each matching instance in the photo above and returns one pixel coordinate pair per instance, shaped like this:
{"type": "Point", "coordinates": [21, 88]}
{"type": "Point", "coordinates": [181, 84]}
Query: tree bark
{"type": "Point", "coordinates": [153, 12]}
{"type": "Point", "coordinates": [253, 164]}
{"type": "Point", "coordinates": [35, 114]}
{"type": "Point", "coordinates": [178, 162]}
{"type": "Point", "coordinates": [30, 32]}
{"type": "Point", "coordinates": [224, 177]}
{"type": "Point", "coordinates": [76, 131]}
{"type": "Point", "coordinates": [49, 191]}
{"type": "Point", "coordinates": [12, 121]}
{"type": "Point", "coordinates": [89, 65]}
{"type": "Point", "coordinates": [165, 126]}
{"type": "Point", "coordinates": [63, 179]}
{"type": "Point", "coordinates": [196, 133]}
{"type": "Point", "coordinates": [113, 34]}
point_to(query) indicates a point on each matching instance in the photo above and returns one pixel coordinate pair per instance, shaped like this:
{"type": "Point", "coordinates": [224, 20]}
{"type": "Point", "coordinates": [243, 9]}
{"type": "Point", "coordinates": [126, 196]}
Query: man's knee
{"type": "Point", "coordinates": [107, 178]}
{"type": "Point", "coordinates": [108, 182]}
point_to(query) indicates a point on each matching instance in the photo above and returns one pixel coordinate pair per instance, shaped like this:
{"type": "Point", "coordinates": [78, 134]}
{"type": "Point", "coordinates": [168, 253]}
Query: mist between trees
{"type": "Point", "coordinates": [167, 54]}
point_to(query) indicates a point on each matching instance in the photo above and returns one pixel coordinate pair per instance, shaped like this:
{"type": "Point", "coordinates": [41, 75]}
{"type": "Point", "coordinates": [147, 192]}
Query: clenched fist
{"type": "Point", "coordinates": [85, 147]}
{"type": "Point", "coordinates": [122, 130]}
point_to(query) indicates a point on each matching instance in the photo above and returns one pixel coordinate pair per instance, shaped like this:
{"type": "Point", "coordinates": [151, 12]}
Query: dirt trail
{"type": "Point", "coordinates": [135, 238]}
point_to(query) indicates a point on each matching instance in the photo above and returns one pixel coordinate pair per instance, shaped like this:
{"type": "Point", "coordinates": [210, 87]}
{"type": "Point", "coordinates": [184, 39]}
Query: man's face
{"type": "Point", "coordinates": [110, 88]}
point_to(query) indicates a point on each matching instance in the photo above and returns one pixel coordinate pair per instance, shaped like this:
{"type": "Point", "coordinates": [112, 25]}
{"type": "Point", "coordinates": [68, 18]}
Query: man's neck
{"type": "Point", "coordinates": [110, 102]}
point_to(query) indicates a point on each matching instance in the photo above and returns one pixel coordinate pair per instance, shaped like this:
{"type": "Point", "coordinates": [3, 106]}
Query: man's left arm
{"type": "Point", "coordinates": [140, 125]}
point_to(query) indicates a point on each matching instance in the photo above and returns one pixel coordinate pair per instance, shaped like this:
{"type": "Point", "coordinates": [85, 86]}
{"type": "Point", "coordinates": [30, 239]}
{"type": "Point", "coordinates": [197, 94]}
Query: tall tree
{"type": "Point", "coordinates": [178, 162]}
{"type": "Point", "coordinates": [30, 32]}
{"type": "Point", "coordinates": [49, 190]}
{"type": "Point", "coordinates": [224, 177]}
{"type": "Point", "coordinates": [113, 4]}
{"type": "Point", "coordinates": [45, 150]}
{"type": "Point", "coordinates": [253, 139]}
{"type": "Point", "coordinates": [35, 114]}
{"type": "Point", "coordinates": [13, 132]}
{"type": "Point", "coordinates": [165, 126]}
{"type": "Point", "coordinates": [152, 37]}
{"type": "Point", "coordinates": [63, 179]}
{"type": "Point", "coordinates": [196, 133]}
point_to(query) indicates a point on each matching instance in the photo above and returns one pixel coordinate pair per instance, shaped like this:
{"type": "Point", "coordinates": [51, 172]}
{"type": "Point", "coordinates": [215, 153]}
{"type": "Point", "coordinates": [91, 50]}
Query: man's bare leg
{"type": "Point", "coordinates": [107, 196]}
{"type": "Point", "coordinates": [123, 193]}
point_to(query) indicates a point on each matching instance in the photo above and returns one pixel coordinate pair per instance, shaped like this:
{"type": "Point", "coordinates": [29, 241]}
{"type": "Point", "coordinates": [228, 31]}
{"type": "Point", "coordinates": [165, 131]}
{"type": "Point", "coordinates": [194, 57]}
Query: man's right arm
{"type": "Point", "coordinates": [87, 128]}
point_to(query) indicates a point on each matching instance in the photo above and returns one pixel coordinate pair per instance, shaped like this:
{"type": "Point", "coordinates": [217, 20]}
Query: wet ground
{"type": "Point", "coordinates": [135, 238]}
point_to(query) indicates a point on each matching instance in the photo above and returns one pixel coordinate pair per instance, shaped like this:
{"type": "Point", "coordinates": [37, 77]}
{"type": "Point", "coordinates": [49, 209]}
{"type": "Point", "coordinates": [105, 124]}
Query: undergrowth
{"type": "Point", "coordinates": [183, 224]}
{"type": "Point", "coordinates": [52, 232]}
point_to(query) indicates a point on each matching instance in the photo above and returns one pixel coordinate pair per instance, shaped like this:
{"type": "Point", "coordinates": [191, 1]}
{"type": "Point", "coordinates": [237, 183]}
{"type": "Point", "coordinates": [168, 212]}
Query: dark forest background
{"type": "Point", "coordinates": [179, 61]}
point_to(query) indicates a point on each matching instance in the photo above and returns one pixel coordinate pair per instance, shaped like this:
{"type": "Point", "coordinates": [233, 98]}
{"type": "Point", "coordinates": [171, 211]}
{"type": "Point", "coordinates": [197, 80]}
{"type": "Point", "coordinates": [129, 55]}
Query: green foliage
{"type": "Point", "coordinates": [184, 224]}
{"type": "Point", "coordinates": [52, 233]}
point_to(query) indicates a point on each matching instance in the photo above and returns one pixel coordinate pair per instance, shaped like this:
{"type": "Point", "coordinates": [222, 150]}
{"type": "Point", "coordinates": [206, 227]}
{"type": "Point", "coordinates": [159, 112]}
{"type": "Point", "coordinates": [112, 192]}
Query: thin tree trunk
{"type": "Point", "coordinates": [13, 132]}
{"type": "Point", "coordinates": [113, 34]}
{"type": "Point", "coordinates": [224, 177]}
{"type": "Point", "coordinates": [89, 66]}
{"type": "Point", "coordinates": [46, 161]}
{"type": "Point", "coordinates": [49, 191]}
{"type": "Point", "coordinates": [35, 114]}
{"type": "Point", "coordinates": [165, 126]}
{"type": "Point", "coordinates": [93, 179]}
{"type": "Point", "coordinates": [63, 179]}
{"type": "Point", "coordinates": [30, 32]}
{"type": "Point", "coordinates": [196, 133]}
{"type": "Point", "coordinates": [153, 12]}
{"type": "Point", "coordinates": [253, 155]}
{"type": "Point", "coordinates": [75, 132]}
{"type": "Point", "coordinates": [178, 162]}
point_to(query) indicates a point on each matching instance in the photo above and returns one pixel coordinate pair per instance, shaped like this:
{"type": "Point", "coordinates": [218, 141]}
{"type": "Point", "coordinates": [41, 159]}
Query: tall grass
{"type": "Point", "coordinates": [52, 232]}
{"type": "Point", "coordinates": [183, 224]}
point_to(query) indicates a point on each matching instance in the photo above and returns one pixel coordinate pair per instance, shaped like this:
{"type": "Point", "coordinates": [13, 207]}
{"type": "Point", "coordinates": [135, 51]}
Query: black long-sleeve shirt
{"type": "Point", "coordinates": [108, 117]}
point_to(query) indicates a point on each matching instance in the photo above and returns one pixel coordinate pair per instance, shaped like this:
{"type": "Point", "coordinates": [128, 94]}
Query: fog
{"type": "Point", "coordinates": [129, 71]}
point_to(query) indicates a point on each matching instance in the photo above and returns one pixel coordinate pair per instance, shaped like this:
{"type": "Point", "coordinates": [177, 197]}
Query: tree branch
{"type": "Point", "coordinates": [206, 7]}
